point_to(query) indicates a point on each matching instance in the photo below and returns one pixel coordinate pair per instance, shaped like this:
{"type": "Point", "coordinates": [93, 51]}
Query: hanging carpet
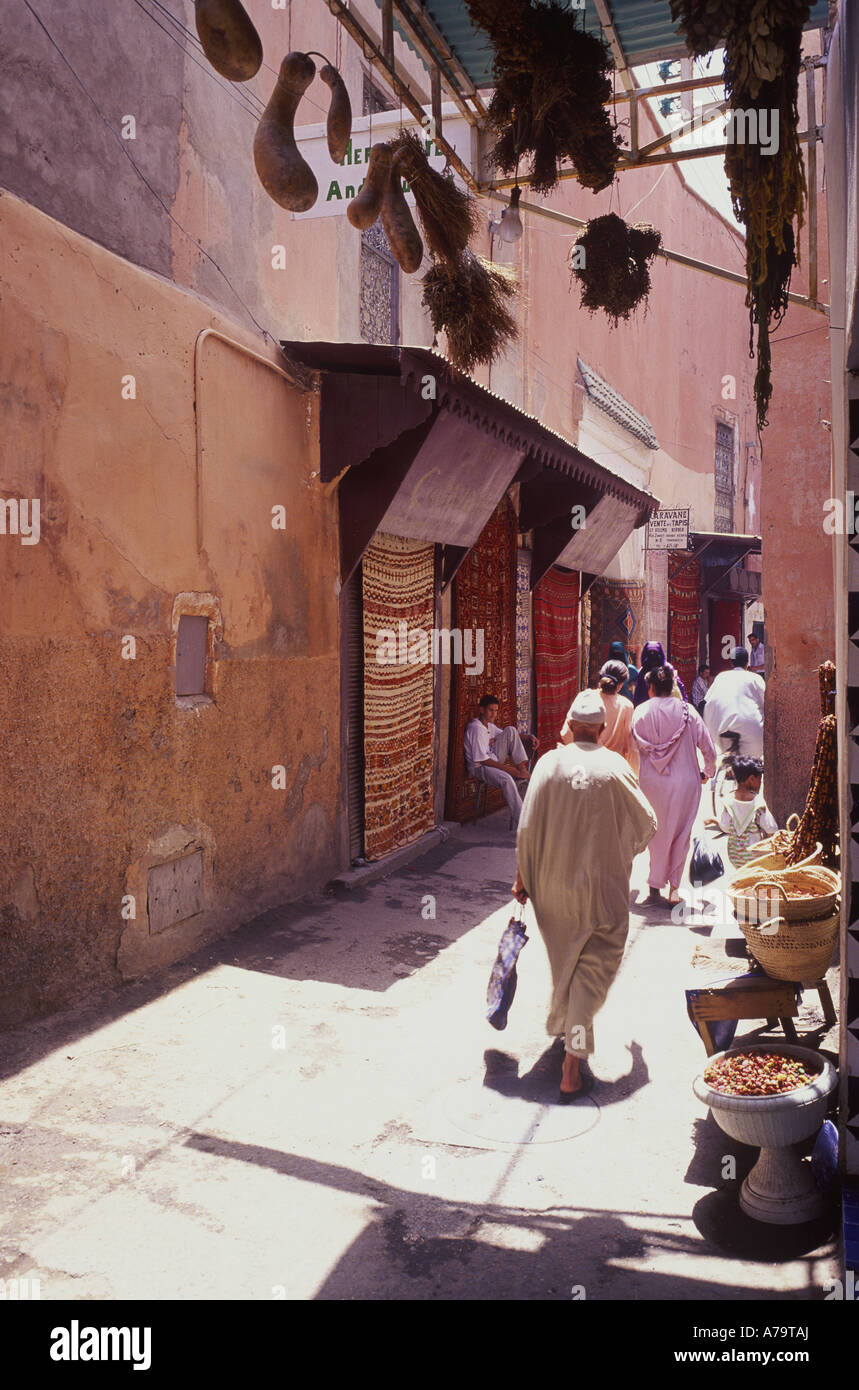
{"type": "Point", "coordinates": [524, 657]}
{"type": "Point", "coordinates": [398, 578]}
{"type": "Point", "coordinates": [556, 651]}
{"type": "Point", "coordinates": [684, 615]}
{"type": "Point", "coordinates": [617, 615]}
{"type": "Point", "coordinates": [484, 598]}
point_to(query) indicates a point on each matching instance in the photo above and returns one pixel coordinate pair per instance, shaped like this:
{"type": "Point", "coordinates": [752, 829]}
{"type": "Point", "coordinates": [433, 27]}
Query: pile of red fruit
{"type": "Point", "coordinates": [757, 1074]}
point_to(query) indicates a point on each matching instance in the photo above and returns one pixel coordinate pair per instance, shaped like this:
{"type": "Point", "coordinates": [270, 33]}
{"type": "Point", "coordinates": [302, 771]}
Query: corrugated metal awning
{"type": "Point", "coordinates": [422, 450]}
{"type": "Point", "coordinates": [644, 31]}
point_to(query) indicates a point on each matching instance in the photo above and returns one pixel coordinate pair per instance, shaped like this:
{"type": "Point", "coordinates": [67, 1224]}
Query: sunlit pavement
{"type": "Point", "coordinates": [316, 1108]}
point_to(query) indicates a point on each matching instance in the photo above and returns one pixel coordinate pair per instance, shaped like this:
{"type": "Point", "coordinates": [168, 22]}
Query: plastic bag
{"type": "Point", "coordinates": [707, 864]}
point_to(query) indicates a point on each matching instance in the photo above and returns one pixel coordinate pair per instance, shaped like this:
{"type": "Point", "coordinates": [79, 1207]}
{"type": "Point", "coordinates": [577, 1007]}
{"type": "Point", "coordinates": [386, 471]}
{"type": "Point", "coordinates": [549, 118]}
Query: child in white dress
{"type": "Point", "coordinates": [746, 818]}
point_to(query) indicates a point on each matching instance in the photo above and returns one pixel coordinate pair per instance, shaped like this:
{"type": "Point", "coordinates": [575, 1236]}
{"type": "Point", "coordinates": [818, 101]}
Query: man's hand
{"type": "Point", "coordinates": [518, 890]}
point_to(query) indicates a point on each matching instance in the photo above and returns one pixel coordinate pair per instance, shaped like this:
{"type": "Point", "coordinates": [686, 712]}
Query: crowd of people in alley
{"type": "Point", "coordinates": [626, 774]}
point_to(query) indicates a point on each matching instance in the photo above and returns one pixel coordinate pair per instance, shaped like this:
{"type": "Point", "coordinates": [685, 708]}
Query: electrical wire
{"type": "Point", "coordinates": [123, 146]}
{"type": "Point", "coordinates": [248, 108]}
{"type": "Point", "coordinates": [243, 87]}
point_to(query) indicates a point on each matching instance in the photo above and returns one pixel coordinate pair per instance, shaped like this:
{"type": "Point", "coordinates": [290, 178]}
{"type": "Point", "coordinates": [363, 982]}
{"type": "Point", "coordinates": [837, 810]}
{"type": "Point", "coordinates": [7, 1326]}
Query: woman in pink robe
{"type": "Point", "coordinates": [669, 733]}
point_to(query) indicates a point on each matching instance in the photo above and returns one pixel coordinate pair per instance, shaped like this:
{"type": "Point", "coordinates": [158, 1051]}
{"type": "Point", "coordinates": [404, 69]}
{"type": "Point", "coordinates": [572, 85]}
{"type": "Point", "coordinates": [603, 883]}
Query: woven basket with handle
{"type": "Point", "coordinates": [768, 897]}
{"type": "Point", "coordinates": [795, 951]}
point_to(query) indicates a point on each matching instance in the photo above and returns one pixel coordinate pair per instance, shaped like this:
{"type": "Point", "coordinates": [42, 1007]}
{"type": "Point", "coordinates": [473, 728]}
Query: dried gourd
{"type": "Point", "coordinates": [230, 41]}
{"type": "Point", "coordinates": [403, 236]}
{"type": "Point", "coordinates": [365, 208]}
{"type": "Point", "coordinates": [283, 172]}
{"type": "Point", "coordinates": [339, 124]}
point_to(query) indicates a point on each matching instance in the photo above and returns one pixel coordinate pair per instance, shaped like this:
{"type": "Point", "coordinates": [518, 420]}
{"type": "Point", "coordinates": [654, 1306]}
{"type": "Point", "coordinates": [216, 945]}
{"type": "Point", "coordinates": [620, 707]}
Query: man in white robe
{"type": "Point", "coordinates": [735, 704]}
{"type": "Point", "coordinates": [584, 819]}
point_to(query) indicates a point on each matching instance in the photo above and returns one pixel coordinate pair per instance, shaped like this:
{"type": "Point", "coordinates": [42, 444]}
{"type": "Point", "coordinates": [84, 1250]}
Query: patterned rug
{"type": "Point", "coordinates": [484, 596]}
{"type": "Point", "coordinates": [524, 658]}
{"type": "Point", "coordinates": [684, 615]}
{"type": "Point", "coordinates": [617, 615]}
{"type": "Point", "coordinates": [398, 695]}
{"type": "Point", "coordinates": [556, 651]}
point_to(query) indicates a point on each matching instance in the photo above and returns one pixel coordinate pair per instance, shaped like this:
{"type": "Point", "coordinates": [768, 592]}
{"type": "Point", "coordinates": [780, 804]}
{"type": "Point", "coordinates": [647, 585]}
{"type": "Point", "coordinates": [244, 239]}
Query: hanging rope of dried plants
{"type": "Point", "coordinates": [469, 299]}
{"type": "Point", "coordinates": [552, 80]}
{"type": "Point", "coordinates": [448, 213]}
{"type": "Point", "coordinates": [763, 59]}
{"type": "Point", "coordinates": [613, 269]}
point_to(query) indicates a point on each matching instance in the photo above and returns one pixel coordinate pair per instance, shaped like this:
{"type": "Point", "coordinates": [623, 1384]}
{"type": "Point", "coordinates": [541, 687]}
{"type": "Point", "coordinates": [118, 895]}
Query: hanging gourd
{"type": "Point", "coordinates": [339, 124]}
{"type": "Point", "coordinates": [284, 174]}
{"type": "Point", "coordinates": [365, 208]}
{"type": "Point", "coordinates": [230, 41]}
{"type": "Point", "coordinates": [448, 215]}
{"type": "Point", "coordinates": [403, 236]}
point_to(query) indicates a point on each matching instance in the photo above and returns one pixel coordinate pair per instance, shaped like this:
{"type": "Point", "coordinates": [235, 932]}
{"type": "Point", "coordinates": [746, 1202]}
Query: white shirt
{"type": "Point", "coordinates": [479, 738]}
{"type": "Point", "coordinates": [735, 700]}
{"type": "Point", "coordinates": [757, 657]}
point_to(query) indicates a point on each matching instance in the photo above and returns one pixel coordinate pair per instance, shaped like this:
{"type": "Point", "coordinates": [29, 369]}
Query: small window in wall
{"type": "Point", "coordinates": [192, 641]}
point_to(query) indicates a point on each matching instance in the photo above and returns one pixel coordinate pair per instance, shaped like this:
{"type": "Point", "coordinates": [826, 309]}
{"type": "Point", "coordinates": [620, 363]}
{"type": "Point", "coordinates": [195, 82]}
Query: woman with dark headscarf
{"type": "Point", "coordinates": [652, 656]}
{"type": "Point", "coordinates": [617, 652]}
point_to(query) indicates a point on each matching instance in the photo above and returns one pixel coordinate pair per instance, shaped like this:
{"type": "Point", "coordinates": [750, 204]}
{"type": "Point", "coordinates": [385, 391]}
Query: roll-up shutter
{"type": "Point", "coordinates": [353, 657]}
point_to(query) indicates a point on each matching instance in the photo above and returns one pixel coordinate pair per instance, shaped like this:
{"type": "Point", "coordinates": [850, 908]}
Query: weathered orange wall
{"type": "Point", "coordinates": [102, 771]}
{"type": "Point", "coordinates": [797, 570]}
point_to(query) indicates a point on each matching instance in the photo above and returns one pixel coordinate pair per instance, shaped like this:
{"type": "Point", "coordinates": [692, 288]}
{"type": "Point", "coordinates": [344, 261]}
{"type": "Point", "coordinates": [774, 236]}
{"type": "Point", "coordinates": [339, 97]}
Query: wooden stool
{"type": "Point", "coordinates": [755, 997]}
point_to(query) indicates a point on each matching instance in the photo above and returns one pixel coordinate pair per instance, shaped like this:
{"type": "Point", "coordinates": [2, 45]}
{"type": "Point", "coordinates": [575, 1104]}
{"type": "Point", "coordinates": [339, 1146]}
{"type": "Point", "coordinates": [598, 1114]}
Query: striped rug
{"type": "Point", "coordinates": [524, 656]}
{"type": "Point", "coordinates": [684, 615]}
{"type": "Point", "coordinates": [398, 696]}
{"type": "Point", "coordinates": [556, 651]}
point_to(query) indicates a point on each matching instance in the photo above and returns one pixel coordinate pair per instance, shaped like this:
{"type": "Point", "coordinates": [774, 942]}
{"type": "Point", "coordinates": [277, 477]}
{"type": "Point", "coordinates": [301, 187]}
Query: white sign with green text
{"type": "Point", "coordinates": [340, 183]}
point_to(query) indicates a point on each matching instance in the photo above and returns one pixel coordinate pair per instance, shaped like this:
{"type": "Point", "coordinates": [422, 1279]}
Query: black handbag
{"type": "Point", "coordinates": [502, 981]}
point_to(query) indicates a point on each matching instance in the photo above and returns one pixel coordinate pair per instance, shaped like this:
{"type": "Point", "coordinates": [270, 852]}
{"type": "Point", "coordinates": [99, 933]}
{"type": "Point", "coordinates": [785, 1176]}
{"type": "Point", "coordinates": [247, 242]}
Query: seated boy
{"type": "Point", "coordinates": [746, 818]}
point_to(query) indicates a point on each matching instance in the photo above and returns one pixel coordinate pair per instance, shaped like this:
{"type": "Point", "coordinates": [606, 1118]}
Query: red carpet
{"type": "Point", "coordinates": [684, 616]}
{"type": "Point", "coordinates": [556, 651]}
{"type": "Point", "coordinates": [484, 597]}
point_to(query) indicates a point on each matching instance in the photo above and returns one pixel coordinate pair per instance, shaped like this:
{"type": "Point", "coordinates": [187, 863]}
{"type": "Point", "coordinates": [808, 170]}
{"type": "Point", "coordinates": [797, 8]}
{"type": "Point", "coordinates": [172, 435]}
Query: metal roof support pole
{"type": "Point", "coordinates": [633, 124]}
{"type": "Point", "coordinates": [388, 31]}
{"type": "Point", "coordinates": [811, 122]}
{"type": "Point", "coordinates": [614, 43]}
{"type": "Point", "coordinates": [671, 135]}
{"type": "Point", "coordinates": [732, 275]}
{"type": "Point", "coordinates": [374, 54]}
{"type": "Point", "coordinates": [414, 33]}
{"type": "Point", "coordinates": [435, 100]}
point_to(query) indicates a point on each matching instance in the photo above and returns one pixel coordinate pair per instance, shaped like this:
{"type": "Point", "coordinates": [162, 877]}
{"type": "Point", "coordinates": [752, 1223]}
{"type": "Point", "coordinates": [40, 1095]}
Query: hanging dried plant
{"type": "Point", "coordinates": [763, 58]}
{"type": "Point", "coordinates": [469, 300]}
{"type": "Point", "coordinates": [615, 273]}
{"type": "Point", "coordinates": [448, 214]}
{"type": "Point", "coordinates": [552, 80]}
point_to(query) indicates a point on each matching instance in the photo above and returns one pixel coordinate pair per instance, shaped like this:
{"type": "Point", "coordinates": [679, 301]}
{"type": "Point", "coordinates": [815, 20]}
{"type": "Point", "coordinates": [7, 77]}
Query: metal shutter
{"type": "Point", "coordinates": [353, 713]}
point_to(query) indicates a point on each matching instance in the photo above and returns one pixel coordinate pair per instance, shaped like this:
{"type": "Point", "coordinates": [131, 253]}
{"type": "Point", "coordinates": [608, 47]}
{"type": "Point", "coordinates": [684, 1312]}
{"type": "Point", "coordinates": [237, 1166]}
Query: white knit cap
{"type": "Point", "coordinates": [587, 708]}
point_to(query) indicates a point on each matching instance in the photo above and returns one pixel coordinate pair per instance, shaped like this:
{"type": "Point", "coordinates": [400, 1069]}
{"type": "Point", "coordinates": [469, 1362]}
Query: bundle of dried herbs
{"type": "Point", "coordinates": [763, 162]}
{"type": "Point", "coordinates": [469, 300]}
{"type": "Point", "coordinates": [552, 80]}
{"type": "Point", "coordinates": [613, 265]}
{"type": "Point", "coordinates": [448, 214]}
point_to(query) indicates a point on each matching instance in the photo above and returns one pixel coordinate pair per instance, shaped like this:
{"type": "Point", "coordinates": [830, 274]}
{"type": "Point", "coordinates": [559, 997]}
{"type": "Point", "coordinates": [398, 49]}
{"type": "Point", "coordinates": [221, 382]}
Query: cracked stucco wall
{"type": "Point", "coordinates": [99, 763]}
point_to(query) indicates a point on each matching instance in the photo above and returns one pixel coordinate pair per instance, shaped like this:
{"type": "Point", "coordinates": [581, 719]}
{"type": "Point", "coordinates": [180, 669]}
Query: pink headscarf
{"type": "Point", "coordinates": [658, 727]}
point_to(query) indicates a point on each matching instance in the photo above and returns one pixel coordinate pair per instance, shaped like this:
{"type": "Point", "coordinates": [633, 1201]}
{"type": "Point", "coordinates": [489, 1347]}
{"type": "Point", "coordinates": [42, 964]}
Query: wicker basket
{"type": "Point", "coordinates": [768, 856]}
{"type": "Point", "coordinates": [754, 903]}
{"type": "Point", "coordinates": [796, 951]}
